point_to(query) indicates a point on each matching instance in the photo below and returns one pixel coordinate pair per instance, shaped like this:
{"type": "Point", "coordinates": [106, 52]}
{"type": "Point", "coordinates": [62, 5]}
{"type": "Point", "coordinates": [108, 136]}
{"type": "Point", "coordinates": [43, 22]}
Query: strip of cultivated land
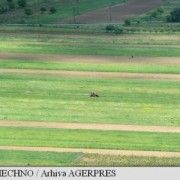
{"type": "Point", "coordinates": [90, 59]}
{"type": "Point", "coordinates": [150, 45]}
{"type": "Point", "coordinates": [90, 64]}
{"type": "Point", "coordinates": [67, 99]}
{"type": "Point", "coordinates": [37, 158]}
{"type": "Point", "coordinates": [90, 139]}
{"type": "Point", "coordinates": [108, 75]}
{"type": "Point", "coordinates": [126, 161]}
{"type": "Point", "coordinates": [46, 94]}
{"type": "Point", "coordinates": [119, 12]}
{"type": "Point", "coordinates": [102, 127]}
{"type": "Point", "coordinates": [95, 151]}
{"type": "Point", "coordinates": [41, 158]}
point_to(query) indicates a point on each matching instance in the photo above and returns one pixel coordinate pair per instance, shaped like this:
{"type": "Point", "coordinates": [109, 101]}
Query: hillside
{"type": "Point", "coordinates": [47, 11]}
{"type": "Point", "coordinates": [84, 11]}
{"type": "Point", "coordinates": [159, 14]}
{"type": "Point", "coordinates": [118, 12]}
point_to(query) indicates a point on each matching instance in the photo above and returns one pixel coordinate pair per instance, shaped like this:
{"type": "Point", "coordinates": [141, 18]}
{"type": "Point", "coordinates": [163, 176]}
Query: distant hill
{"type": "Point", "coordinates": [83, 11]}
{"type": "Point", "coordinates": [47, 11]}
{"type": "Point", "coordinates": [118, 12]}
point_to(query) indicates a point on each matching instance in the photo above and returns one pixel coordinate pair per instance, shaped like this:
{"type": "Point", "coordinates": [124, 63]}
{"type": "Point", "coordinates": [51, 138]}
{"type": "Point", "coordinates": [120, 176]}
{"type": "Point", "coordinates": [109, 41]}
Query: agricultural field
{"type": "Point", "coordinates": [45, 100]}
{"type": "Point", "coordinates": [77, 95]}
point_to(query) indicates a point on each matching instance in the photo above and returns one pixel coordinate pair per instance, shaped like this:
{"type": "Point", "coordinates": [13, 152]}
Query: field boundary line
{"type": "Point", "coordinates": [95, 151]}
{"type": "Point", "coordinates": [89, 126]}
{"type": "Point", "coordinates": [87, 74]}
{"type": "Point", "coordinates": [97, 59]}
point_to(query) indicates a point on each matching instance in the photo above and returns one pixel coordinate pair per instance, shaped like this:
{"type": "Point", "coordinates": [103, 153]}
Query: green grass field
{"type": "Point", "coordinates": [38, 137]}
{"type": "Point", "coordinates": [127, 45]}
{"type": "Point", "coordinates": [30, 158]}
{"type": "Point", "coordinates": [128, 101]}
{"type": "Point", "coordinates": [92, 67]}
{"type": "Point", "coordinates": [55, 98]}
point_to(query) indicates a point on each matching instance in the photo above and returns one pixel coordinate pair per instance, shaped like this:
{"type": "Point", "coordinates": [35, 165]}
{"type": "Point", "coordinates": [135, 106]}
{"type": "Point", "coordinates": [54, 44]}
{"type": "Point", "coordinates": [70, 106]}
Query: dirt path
{"type": "Point", "coordinates": [96, 151]}
{"type": "Point", "coordinates": [84, 74]}
{"type": "Point", "coordinates": [119, 12]}
{"type": "Point", "coordinates": [92, 59]}
{"type": "Point", "coordinates": [102, 127]}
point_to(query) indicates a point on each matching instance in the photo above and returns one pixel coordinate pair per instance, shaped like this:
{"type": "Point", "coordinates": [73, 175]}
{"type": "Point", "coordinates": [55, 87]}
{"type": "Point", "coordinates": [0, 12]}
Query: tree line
{"type": "Point", "coordinates": [11, 5]}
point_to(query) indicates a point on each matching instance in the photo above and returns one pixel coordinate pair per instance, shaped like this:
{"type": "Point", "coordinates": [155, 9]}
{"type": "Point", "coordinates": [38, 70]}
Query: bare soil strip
{"type": "Point", "coordinates": [85, 126]}
{"type": "Point", "coordinates": [119, 12]}
{"type": "Point", "coordinates": [84, 74]}
{"type": "Point", "coordinates": [92, 59]}
{"type": "Point", "coordinates": [96, 151]}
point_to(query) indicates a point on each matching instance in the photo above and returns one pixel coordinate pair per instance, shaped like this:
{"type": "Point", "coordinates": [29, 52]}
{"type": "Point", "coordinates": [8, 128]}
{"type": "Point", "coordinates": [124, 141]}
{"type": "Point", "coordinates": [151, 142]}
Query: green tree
{"type": "Point", "coordinates": [127, 22]}
{"type": "Point", "coordinates": [28, 12]}
{"type": "Point", "coordinates": [110, 28]}
{"type": "Point", "coordinates": [52, 10]}
{"type": "Point", "coordinates": [22, 3]}
{"type": "Point", "coordinates": [43, 9]}
{"type": "Point", "coordinates": [11, 4]}
{"type": "Point", "coordinates": [174, 15]}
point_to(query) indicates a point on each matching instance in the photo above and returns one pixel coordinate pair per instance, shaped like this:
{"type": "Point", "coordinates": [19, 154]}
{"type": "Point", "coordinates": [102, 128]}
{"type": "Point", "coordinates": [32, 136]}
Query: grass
{"type": "Point", "coordinates": [30, 158]}
{"type": "Point", "coordinates": [147, 102]}
{"type": "Point", "coordinates": [79, 66]}
{"type": "Point", "coordinates": [38, 137]}
{"type": "Point", "coordinates": [73, 44]}
{"type": "Point", "coordinates": [123, 161]}
{"type": "Point", "coordinates": [61, 99]}
{"type": "Point", "coordinates": [128, 101]}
